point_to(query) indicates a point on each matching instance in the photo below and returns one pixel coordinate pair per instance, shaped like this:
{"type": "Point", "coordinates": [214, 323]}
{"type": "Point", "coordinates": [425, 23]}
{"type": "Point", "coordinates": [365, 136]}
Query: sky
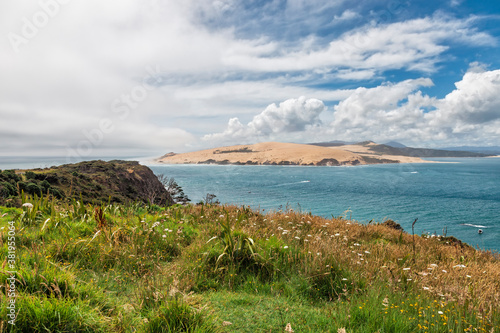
{"type": "Point", "coordinates": [147, 77]}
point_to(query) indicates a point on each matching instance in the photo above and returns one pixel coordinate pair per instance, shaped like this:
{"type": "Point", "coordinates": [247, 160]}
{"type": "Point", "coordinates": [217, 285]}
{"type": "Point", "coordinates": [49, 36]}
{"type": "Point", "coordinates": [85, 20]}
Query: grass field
{"type": "Point", "coordinates": [213, 268]}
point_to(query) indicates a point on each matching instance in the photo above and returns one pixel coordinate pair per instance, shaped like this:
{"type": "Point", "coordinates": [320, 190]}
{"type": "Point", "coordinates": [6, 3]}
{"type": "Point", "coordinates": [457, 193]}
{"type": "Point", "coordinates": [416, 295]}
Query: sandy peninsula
{"type": "Point", "coordinates": [277, 153]}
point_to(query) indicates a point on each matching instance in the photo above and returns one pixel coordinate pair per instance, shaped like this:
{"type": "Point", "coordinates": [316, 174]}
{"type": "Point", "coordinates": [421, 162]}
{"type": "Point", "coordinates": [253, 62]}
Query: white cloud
{"type": "Point", "coordinates": [345, 16]}
{"type": "Point", "coordinates": [66, 77]}
{"type": "Point", "coordinates": [474, 103]}
{"type": "Point", "coordinates": [293, 115]}
{"type": "Point", "coordinates": [399, 111]}
{"type": "Point", "coordinates": [415, 45]}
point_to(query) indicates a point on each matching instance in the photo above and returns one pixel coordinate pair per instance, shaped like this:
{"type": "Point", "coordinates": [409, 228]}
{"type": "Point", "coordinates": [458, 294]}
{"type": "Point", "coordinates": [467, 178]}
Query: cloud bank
{"type": "Point", "coordinates": [392, 111]}
{"type": "Point", "coordinates": [167, 73]}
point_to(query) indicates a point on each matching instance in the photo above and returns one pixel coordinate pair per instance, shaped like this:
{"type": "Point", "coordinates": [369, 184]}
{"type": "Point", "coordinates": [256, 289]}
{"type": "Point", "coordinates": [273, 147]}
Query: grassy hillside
{"type": "Point", "coordinates": [210, 268]}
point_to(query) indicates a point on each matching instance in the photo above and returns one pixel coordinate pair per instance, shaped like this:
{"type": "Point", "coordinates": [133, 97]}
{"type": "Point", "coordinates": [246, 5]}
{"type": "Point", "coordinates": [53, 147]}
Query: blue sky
{"type": "Point", "coordinates": [87, 78]}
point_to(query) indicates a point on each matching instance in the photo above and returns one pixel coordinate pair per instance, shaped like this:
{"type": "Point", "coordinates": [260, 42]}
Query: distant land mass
{"type": "Point", "coordinates": [489, 150]}
{"type": "Point", "coordinates": [396, 148]}
{"type": "Point", "coordinates": [395, 144]}
{"type": "Point", "coordinates": [277, 153]}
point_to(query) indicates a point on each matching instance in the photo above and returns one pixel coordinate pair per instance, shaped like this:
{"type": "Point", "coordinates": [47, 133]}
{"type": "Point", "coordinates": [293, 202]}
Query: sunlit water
{"type": "Point", "coordinates": [459, 197]}
{"type": "Point", "coordinates": [462, 197]}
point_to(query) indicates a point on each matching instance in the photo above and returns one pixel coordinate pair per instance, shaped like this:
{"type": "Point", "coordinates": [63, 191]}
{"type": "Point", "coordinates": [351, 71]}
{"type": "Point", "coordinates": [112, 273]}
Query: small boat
{"type": "Point", "coordinates": [480, 231]}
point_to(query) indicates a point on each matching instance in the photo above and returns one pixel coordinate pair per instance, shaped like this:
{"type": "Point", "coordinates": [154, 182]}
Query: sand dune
{"type": "Point", "coordinates": [277, 153]}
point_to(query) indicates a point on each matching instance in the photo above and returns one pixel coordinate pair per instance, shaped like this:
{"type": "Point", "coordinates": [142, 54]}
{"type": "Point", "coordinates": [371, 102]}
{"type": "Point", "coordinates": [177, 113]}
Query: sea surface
{"type": "Point", "coordinates": [456, 198]}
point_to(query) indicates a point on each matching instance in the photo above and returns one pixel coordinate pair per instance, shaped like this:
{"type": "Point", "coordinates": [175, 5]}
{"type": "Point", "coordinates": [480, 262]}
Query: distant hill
{"type": "Point", "coordinates": [92, 181]}
{"type": "Point", "coordinates": [390, 149]}
{"type": "Point", "coordinates": [490, 150]}
{"type": "Point", "coordinates": [334, 143]}
{"type": "Point", "coordinates": [395, 144]}
{"type": "Point", "coordinates": [424, 152]}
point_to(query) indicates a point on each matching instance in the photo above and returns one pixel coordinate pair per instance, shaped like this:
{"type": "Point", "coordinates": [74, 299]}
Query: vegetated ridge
{"type": "Point", "coordinates": [91, 181]}
{"type": "Point", "coordinates": [395, 148]}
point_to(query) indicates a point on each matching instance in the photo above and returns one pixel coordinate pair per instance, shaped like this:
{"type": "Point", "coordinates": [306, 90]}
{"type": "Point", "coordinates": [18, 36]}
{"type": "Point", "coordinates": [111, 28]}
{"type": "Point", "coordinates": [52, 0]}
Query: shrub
{"type": "Point", "coordinates": [7, 190]}
{"type": "Point", "coordinates": [10, 176]}
{"type": "Point", "coordinates": [33, 189]}
{"type": "Point", "coordinates": [45, 185]}
{"type": "Point", "coordinates": [30, 175]}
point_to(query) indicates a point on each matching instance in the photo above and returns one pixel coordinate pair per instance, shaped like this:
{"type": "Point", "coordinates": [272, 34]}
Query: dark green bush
{"type": "Point", "coordinates": [32, 188]}
{"type": "Point", "coordinates": [9, 176]}
{"type": "Point", "coordinates": [30, 175]}
{"type": "Point", "coordinates": [45, 185]}
{"type": "Point", "coordinates": [7, 190]}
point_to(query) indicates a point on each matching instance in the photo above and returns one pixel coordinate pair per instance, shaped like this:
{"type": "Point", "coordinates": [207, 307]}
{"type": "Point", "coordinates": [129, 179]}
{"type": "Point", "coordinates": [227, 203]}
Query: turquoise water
{"type": "Point", "coordinates": [461, 195]}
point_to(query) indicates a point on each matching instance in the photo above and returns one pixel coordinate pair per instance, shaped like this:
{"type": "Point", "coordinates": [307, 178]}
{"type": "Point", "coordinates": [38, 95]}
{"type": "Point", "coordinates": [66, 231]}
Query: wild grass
{"type": "Point", "coordinates": [214, 268]}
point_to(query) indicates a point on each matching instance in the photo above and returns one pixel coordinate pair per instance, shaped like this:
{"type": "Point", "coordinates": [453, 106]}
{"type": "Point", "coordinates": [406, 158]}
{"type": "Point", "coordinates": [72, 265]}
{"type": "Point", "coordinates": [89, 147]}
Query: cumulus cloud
{"type": "Point", "coordinates": [392, 111]}
{"type": "Point", "coordinates": [474, 103]}
{"type": "Point", "coordinates": [292, 115]}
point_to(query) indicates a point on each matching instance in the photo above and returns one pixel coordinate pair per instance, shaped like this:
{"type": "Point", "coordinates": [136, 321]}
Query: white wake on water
{"type": "Point", "coordinates": [473, 225]}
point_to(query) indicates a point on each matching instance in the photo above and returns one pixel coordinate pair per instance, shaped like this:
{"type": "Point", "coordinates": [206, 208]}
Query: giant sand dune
{"type": "Point", "coordinates": [277, 153]}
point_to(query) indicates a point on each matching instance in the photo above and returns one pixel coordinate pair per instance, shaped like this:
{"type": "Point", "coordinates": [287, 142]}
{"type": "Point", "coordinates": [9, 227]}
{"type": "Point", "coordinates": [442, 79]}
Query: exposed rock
{"type": "Point", "coordinates": [392, 224]}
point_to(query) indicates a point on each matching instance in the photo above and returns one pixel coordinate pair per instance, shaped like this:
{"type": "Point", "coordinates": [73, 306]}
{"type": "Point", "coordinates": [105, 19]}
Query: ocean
{"type": "Point", "coordinates": [456, 197]}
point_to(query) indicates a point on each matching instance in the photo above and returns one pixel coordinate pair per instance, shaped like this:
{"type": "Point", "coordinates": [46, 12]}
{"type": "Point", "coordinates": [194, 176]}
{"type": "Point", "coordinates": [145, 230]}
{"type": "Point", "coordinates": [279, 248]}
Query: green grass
{"type": "Point", "coordinates": [212, 268]}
